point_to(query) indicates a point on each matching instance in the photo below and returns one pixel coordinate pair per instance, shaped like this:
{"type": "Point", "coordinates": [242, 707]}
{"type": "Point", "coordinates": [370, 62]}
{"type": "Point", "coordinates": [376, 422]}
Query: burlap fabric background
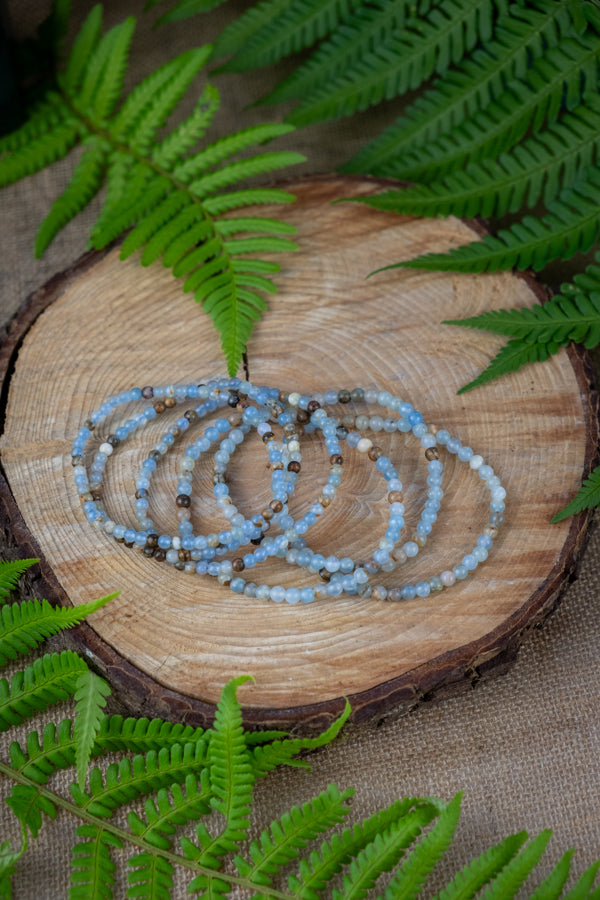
{"type": "Point", "coordinates": [525, 747]}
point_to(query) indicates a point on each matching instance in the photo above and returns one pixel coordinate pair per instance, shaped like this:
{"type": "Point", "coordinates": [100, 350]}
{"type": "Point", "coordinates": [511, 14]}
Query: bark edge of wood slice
{"type": "Point", "coordinates": [537, 427]}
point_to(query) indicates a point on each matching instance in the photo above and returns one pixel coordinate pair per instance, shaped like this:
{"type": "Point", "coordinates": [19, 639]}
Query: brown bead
{"type": "Point", "coordinates": [183, 555]}
{"type": "Point", "coordinates": [152, 540]}
{"type": "Point", "coordinates": [113, 440]}
{"type": "Point", "coordinates": [325, 575]}
{"type": "Point", "coordinates": [191, 415]}
{"type": "Point", "coordinates": [96, 494]}
{"type": "Point", "coordinates": [395, 497]}
{"type": "Point", "coordinates": [432, 453]}
{"type": "Point", "coordinates": [183, 500]}
{"type": "Point", "coordinates": [267, 436]}
{"type": "Point", "coordinates": [267, 513]}
{"type": "Point", "coordinates": [277, 465]}
{"type": "Point", "coordinates": [159, 406]}
{"type": "Point", "coordinates": [175, 431]}
{"type": "Point", "coordinates": [290, 428]}
{"type": "Point", "coordinates": [89, 424]}
{"type": "Point", "coordinates": [235, 418]}
{"type": "Point", "coordinates": [148, 551]}
{"type": "Point", "coordinates": [170, 402]}
{"type": "Point", "coordinates": [154, 454]}
{"type": "Point", "coordinates": [344, 396]}
{"type": "Point", "coordinates": [276, 410]}
{"type": "Point", "coordinates": [302, 416]}
{"type": "Point", "coordinates": [336, 459]}
{"type": "Point", "coordinates": [147, 392]}
{"type": "Point", "coordinates": [276, 505]}
{"type": "Point", "coordinates": [233, 399]}
{"type": "Point", "coordinates": [283, 396]}
{"type": "Point", "coordinates": [294, 466]}
{"type": "Point", "coordinates": [374, 452]}
{"type": "Point", "coordinates": [324, 501]}
{"type": "Point", "coordinates": [299, 430]}
{"type": "Point", "coordinates": [394, 595]}
{"type": "Point", "coordinates": [77, 460]}
{"type": "Point", "coordinates": [312, 406]}
{"type": "Point", "coordinates": [238, 564]}
{"type": "Point", "coordinates": [84, 498]}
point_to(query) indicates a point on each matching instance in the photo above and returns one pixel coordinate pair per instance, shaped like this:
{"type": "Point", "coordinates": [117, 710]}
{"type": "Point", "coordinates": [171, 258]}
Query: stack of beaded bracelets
{"type": "Point", "coordinates": [295, 414]}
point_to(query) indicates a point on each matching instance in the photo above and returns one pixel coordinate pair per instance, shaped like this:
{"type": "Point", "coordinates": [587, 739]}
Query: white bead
{"type": "Point", "coordinates": [176, 542]}
{"type": "Point", "coordinates": [105, 448]}
{"type": "Point", "coordinates": [364, 445]}
{"type": "Point", "coordinates": [476, 461]}
{"type": "Point", "coordinates": [293, 398]}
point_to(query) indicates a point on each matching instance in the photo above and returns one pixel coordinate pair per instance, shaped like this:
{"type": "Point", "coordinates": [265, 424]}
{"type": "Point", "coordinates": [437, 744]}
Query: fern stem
{"type": "Point", "coordinates": [130, 838]}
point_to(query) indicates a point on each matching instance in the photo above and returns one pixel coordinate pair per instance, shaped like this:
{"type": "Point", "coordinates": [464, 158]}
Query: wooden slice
{"type": "Point", "coordinates": [171, 640]}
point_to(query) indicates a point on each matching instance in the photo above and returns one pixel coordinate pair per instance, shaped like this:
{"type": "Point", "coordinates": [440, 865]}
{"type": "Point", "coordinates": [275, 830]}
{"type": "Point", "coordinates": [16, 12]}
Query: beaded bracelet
{"type": "Point", "coordinates": [340, 581]}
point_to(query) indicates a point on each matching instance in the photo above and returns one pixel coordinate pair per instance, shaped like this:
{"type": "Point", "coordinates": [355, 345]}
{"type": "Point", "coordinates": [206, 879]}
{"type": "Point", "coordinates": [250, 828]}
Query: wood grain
{"type": "Point", "coordinates": [170, 641]}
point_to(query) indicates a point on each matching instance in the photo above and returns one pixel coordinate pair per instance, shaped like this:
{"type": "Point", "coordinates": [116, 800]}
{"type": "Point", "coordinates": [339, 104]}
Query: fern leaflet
{"type": "Point", "coordinates": [10, 572]}
{"type": "Point", "coordinates": [551, 887]}
{"type": "Point", "coordinates": [511, 357]}
{"type": "Point", "coordinates": [483, 869]}
{"type": "Point", "coordinates": [92, 868]}
{"type": "Point", "coordinates": [46, 681]}
{"type": "Point", "coordinates": [91, 692]}
{"type": "Point", "coordinates": [587, 497]}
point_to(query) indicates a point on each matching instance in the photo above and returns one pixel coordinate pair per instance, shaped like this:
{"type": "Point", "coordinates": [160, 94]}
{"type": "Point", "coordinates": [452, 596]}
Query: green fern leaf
{"type": "Point", "coordinates": [152, 876]}
{"type": "Point", "coordinates": [25, 625]}
{"type": "Point", "coordinates": [28, 805]}
{"type": "Point", "coordinates": [584, 884]}
{"type": "Point", "coordinates": [186, 8]}
{"type": "Point", "coordinates": [519, 39]}
{"type": "Point", "coordinates": [300, 24]}
{"type": "Point", "coordinates": [483, 869]}
{"type": "Point", "coordinates": [42, 758]}
{"type": "Point", "coordinates": [34, 155]}
{"type": "Point", "coordinates": [103, 74]}
{"type": "Point", "coordinates": [47, 680]}
{"type": "Point", "coordinates": [132, 778]}
{"type": "Point", "coordinates": [407, 882]}
{"type": "Point", "coordinates": [43, 117]}
{"type": "Point", "coordinates": [243, 28]}
{"type": "Point", "coordinates": [551, 887]}
{"type": "Point", "coordinates": [564, 77]}
{"type": "Point", "coordinates": [282, 752]}
{"type": "Point", "coordinates": [216, 206]}
{"type": "Point", "coordinates": [150, 225]}
{"type": "Point", "coordinates": [571, 318]}
{"type": "Point", "coordinates": [84, 46]}
{"type": "Point", "coordinates": [85, 183]}
{"type": "Point", "coordinates": [317, 871]}
{"type": "Point", "coordinates": [570, 227]}
{"type": "Point", "coordinates": [142, 735]}
{"type": "Point", "coordinates": [91, 692]}
{"type": "Point", "coordinates": [382, 854]}
{"type": "Point", "coordinates": [401, 63]}
{"type": "Point", "coordinates": [8, 860]}
{"type": "Point", "coordinates": [587, 497]}
{"type": "Point", "coordinates": [510, 358]}
{"type": "Point", "coordinates": [171, 809]}
{"type": "Point", "coordinates": [344, 47]}
{"type": "Point", "coordinates": [242, 169]}
{"type": "Point", "coordinates": [225, 147]}
{"type": "Point", "coordinates": [174, 147]}
{"type": "Point", "coordinates": [533, 170]}
{"type": "Point", "coordinates": [284, 838]}
{"type": "Point", "coordinates": [10, 572]}
{"type": "Point", "coordinates": [513, 875]}
{"type": "Point", "coordinates": [92, 868]}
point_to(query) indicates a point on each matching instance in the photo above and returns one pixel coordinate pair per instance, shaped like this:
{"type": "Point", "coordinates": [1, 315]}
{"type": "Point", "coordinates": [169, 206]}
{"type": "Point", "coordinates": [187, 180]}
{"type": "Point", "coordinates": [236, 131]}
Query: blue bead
{"type": "Point", "coordinates": [292, 595]}
{"type": "Point", "coordinates": [237, 585]}
{"type": "Point", "coordinates": [422, 589]}
{"type": "Point", "coordinates": [408, 591]}
{"type": "Point", "coordinates": [307, 595]}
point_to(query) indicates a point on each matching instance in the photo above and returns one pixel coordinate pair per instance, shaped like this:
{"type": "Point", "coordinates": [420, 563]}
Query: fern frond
{"type": "Point", "coordinates": [514, 873]}
{"type": "Point", "coordinates": [321, 866]}
{"type": "Point", "coordinates": [562, 78]}
{"type": "Point", "coordinates": [43, 117]}
{"type": "Point", "coordinates": [141, 735]}
{"type": "Point", "coordinates": [23, 626]}
{"type": "Point", "coordinates": [401, 63]}
{"type": "Point", "coordinates": [10, 572]}
{"type": "Point", "coordinates": [56, 750]}
{"type": "Point", "coordinates": [583, 887]}
{"type": "Point", "coordinates": [407, 882]}
{"type": "Point", "coordinates": [46, 681]}
{"type": "Point", "coordinates": [84, 45]}
{"type": "Point", "coordinates": [574, 318]}
{"type": "Point", "coordinates": [145, 193]}
{"type": "Point", "coordinates": [483, 869]}
{"type": "Point", "coordinates": [46, 148]}
{"type": "Point", "coordinates": [533, 170]}
{"type": "Point", "coordinates": [512, 357]}
{"type": "Point", "coordinates": [344, 47]}
{"type": "Point", "coordinates": [282, 841]}
{"type": "Point", "coordinates": [587, 497]}
{"type": "Point", "coordinates": [153, 222]}
{"type": "Point", "coordinates": [172, 808]}
{"type": "Point", "coordinates": [242, 169]}
{"type": "Point", "coordinates": [243, 28]}
{"type": "Point", "coordinates": [151, 876]}
{"type": "Point", "coordinates": [519, 39]}
{"type": "Point", "coordinates": [223, 203]}
{"type": "Point", "coordinates": [382, 854]}
{"type": "Point", "coordinates": [220, 150]}
{"type": "Point", "coordinates": [571, 226]}
{"type": "Point", "coordinates": [181, 139]}
{"type": "Point", "coordinates": [91, 692]}
{"type": "Point", "coordinates": [28, 805]}
{"type": "Point", "coordinates": [85, 183]}
{"type": "Point", "coordinates": [92, 867]}
{"type": "Point", "coordinates": [300, 24]}
{"type": "Point", "coordinates": [132, 778]}
{"type": "Point", "coordinates": [102, 79]}
{"type": "Point", "coordinates": [282, 752]}
{"type": "Point", "coordinates": [551, 887]}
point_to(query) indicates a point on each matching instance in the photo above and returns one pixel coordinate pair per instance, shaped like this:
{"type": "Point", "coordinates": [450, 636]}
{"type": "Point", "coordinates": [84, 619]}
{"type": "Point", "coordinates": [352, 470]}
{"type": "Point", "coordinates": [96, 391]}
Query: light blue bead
{"type": "Point", "coordinates": [408, 591]}
{"type": "Point", "coordinates": [292, 595]}
{"type": "Point", "coordinates": [332, 564]}
{"type": "Point", "coordinates": [422, 589]}
{"type": "Point", "coordinates": [164, 541]}
{"type": "Point", "coordinates": [381, 556]}
{"type": "Point", "coordinates": [460, 571]}
{"type": "Point", "coordinates": [278, 593]}
{"type": "Point", "coordinates": [442, 436]}
{"type": "Point", "coordinates": [307, 595]}
{"type": "Point", "coordinates": [249, 560]}
{"type": "Point", "coordinates": [484, 540]}
{"type": "Point", "coordinates": [470, 562]}
{"type": "Point", "coordinates": [411, 548]}
{"type": "Point", "coordinates": [465, 454]}
{"type": "Point", "coordinates": [237, 585]}
{"type": "Point", "coordinates": [334, 589]}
